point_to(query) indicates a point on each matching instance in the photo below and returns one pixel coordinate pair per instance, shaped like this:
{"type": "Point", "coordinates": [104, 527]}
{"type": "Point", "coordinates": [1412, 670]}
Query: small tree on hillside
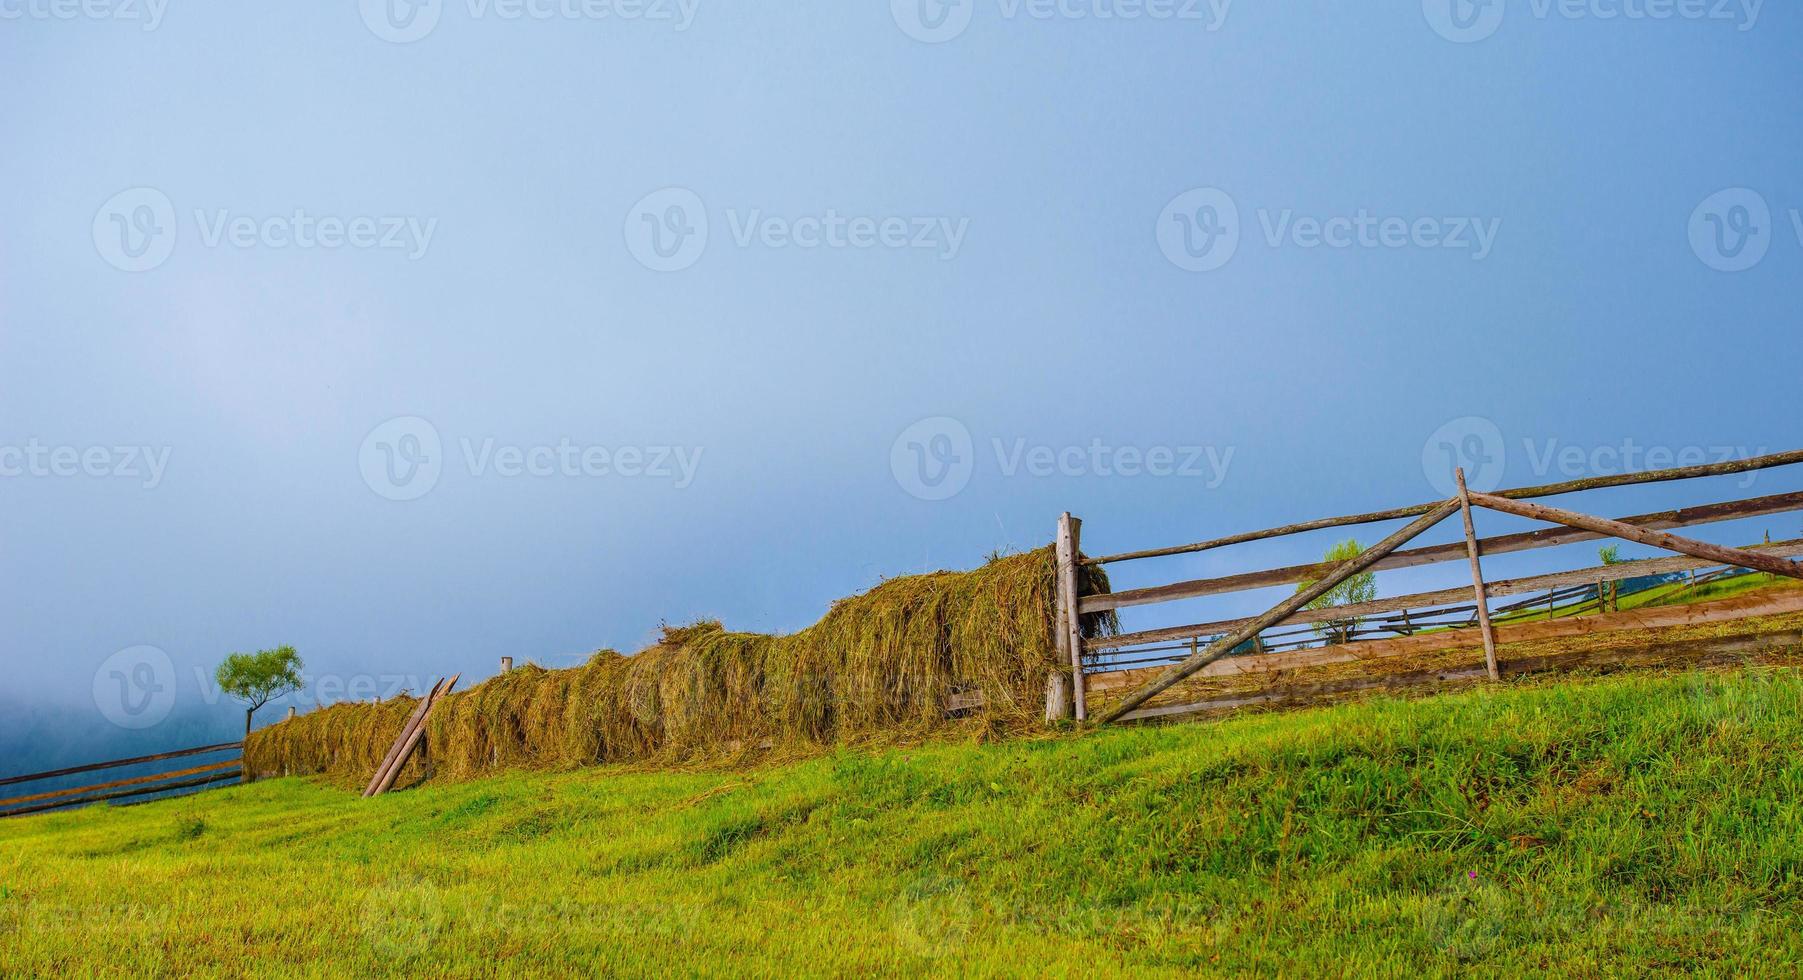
{"type": "Point", "coordinates": [1608, 595]}
{"type": "Point", "coordinates": [259, 678]}
{"type": "Point", "coordinates": [1359, 588]}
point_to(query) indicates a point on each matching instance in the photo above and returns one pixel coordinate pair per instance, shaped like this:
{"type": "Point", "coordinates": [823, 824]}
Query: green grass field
{"type": "Point", "coordinates": [1639, 823]}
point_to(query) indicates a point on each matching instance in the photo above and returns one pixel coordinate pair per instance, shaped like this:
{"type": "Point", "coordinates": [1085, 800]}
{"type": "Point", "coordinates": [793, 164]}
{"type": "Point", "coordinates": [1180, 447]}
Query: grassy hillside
{"type": "Point", "coordinates": [1650, 823]}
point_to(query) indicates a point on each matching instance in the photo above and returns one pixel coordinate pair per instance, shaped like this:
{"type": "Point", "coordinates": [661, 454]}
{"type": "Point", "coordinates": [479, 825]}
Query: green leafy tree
{"type": "Point", "coordinates": [1609, 593]}
{"type": "Point", "coordinates": [259, 678]}
{"type": "Point", "coordinates": [1359, 588]}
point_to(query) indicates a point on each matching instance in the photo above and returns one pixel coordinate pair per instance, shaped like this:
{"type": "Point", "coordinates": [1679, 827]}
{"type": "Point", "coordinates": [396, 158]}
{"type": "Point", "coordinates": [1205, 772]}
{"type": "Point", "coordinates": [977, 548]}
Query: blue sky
{"type": "Point", "coordinates": [245, 238]}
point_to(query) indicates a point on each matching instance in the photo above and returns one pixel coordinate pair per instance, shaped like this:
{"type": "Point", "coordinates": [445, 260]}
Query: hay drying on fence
{"type": "Point", "coordinates": [883, 663]}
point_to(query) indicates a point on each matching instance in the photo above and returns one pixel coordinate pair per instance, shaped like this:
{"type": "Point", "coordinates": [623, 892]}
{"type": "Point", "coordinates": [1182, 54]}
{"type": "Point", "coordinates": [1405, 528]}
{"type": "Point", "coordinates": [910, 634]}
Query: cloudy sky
{"type": "Point", "coordinates": [415, 335]}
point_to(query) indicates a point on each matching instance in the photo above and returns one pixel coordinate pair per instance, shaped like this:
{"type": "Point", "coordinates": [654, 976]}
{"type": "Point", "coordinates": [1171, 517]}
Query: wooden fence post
{"type": "Point", "coordinates": [1477, 578]}
{"type": "Point", "coordinates": [1069, 624]}
{"type": "Point", "coordinates": [1060, 699]}
{"type": "Point", "coordinates": [291, 713]}
{"type": "Point", "coordinates": [506, 664]}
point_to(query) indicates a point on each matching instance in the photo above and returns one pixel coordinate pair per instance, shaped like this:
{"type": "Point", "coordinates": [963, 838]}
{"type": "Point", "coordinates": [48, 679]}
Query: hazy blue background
{"type": "Point", "coordinates": [1059, 321]}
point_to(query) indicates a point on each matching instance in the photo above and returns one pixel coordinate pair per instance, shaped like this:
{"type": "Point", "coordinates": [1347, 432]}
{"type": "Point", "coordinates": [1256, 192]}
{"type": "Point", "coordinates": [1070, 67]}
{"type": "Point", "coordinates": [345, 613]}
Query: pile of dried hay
{"type": "Point", "coordinates": [879, 665]}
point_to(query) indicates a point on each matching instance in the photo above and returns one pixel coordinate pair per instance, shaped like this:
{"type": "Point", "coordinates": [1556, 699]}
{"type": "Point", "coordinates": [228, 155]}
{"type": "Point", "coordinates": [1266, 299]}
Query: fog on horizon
{"type": "Point", "coordinates": [419, 345]}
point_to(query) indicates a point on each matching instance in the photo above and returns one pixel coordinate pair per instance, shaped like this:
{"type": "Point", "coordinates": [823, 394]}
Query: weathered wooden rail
{"type": "Point", "coordinates": [1230, 637]}
{"type": "Point", "coordinates": [191, 777]}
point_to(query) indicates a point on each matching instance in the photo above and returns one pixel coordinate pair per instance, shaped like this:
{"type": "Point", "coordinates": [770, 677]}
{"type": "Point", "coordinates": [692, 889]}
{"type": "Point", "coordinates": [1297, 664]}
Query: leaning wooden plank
{"type": "Point", "coordinates": [1618, 572]}
{"type": "Point", "coordinates": [121, 794]}
{"type": "Point", "coordinates": [419, 732]}
{"type": "Point", "coordinates": [1548, 490]}
{"type": "Point", "coordinates": [1757, 605]}
{"type": "Point", "coordinates": [394, 749]}
{"type": "Point", "coordinates": [1435, 554]}
{"type": "Point", "coordinates": [1659, 539]}
{"type": "Point", "coordinates": [134, 781]}
{"type": "Point", "coordinates": [414, 721]}
{"type": "Point", "coordinates": [116, 763]}
{"type": "Point", "coordinates": [1221, 647]}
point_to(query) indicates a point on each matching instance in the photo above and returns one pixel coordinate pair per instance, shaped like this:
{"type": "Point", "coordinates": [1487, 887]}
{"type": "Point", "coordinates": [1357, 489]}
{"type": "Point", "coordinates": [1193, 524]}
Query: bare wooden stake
{"type": "Point", "coordinates": [1477, 579]}
{"type": "Point", "coordinates": [1057, 696]}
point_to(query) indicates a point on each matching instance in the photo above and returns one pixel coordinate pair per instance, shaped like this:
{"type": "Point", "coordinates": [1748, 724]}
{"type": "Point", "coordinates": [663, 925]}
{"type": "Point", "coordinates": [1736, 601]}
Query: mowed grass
{"type": "Point", "coordinates": [1644, 823]}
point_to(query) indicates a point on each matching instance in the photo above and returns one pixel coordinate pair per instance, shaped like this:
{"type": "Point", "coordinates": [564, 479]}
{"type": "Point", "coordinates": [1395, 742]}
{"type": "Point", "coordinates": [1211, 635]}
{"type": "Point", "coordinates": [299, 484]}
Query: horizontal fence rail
{"type": "Point", "coordinates": [143, 785]}
{"type": "Point", "coordinates": [1424, 621]}
{"type": "Point", "coordinates": [1522, 493]}
{"type": "Point", "coordinates": [1619, 572]}
{"type": "Point", "coordinates": [1455, 551]}
{"type": "Point", "coordinates": [1421, 615]}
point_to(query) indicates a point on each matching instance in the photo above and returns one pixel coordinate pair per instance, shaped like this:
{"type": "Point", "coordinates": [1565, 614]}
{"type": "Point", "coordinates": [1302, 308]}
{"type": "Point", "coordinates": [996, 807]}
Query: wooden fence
{"type": "Point", "coordinates": [181, 777]}
{"type": "Point", "coordinates": [1419, 616]}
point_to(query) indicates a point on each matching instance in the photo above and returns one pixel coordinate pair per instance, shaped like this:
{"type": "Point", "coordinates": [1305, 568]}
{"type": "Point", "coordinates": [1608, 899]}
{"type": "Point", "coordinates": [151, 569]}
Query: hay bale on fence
{"type": "Point", "coordinates": [881, 663]}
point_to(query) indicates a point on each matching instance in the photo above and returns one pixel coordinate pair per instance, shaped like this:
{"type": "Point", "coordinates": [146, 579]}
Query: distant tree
{"type": "Point", "coordinates": [1609, 593]}
{"type": "Point", "coordinates": [1359, 588]}
{"type": "Point", "coordinates": [259, 678]}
